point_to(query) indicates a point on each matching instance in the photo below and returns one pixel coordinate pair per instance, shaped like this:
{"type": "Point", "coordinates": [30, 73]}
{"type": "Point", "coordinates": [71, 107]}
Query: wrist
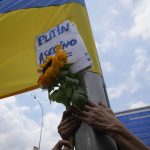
{"type": "Point", "coordinates": [117, 129]}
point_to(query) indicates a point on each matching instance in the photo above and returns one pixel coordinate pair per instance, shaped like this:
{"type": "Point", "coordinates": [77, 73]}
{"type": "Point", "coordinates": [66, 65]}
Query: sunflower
{"type": "Point", "coordinates": [51, 67]}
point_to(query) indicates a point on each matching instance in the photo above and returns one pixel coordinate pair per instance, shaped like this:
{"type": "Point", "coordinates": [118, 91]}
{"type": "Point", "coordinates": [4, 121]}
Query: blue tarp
{"type": "Point", "coordinates": [10, 5]}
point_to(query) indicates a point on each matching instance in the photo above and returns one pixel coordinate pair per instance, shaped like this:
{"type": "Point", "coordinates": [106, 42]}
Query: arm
{"type": "Point", "coordinates": [126, 140]}
{"type": "Point", "coordinates": [103, 119]}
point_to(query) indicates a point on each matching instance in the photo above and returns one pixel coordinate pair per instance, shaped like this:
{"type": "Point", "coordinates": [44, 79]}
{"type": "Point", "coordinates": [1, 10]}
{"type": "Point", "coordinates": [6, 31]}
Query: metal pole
{"type": "Point", "coordinates": [41, 122]}
{"type": "Point", "coordinates": [87, 138]}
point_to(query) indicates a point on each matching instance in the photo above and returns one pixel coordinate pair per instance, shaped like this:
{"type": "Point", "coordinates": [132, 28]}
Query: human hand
{"type": "Point", "coordinates": [68, 125]}
{"type": "Point", "coordinates": [100, 117]}
{"type": "Point", "coordinates": [62, 143]}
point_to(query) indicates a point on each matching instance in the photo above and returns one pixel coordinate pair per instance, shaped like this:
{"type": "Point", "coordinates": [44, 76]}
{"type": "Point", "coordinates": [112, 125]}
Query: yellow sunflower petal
{"type": "Point", "coordinates": [57, 63]}
{"type": "Point", "coordinates": [58, 47]}
{"type": "Point", "coordinates": [49, 58]}
{"type": "Point", "coordinates": [42, 65]}
{"type": "Point", "coordinates": [62, 56]}
{"type": "Point", "coordinates": [39, 70]}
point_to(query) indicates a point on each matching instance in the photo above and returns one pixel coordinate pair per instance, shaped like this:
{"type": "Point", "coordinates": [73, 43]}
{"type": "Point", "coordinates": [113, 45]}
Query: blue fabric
{"type": "Point", "coordinates": [10, 5]}
{"type": "Point", "coordinates": [138, 123]}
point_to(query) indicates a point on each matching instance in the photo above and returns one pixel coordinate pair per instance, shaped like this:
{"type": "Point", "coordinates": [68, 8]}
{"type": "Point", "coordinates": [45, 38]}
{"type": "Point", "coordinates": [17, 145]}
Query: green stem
{"type": "Point", "coordinates": [72, 140]}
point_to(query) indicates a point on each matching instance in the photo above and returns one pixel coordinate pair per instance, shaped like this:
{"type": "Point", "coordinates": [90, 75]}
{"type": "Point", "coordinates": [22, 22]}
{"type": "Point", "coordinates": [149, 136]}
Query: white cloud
{"type": "Point", "coordinates": [107, 67]}
{"type": "Point", "coordinates": [8, 100]}
{"type": "Point", "coordinates": [127, 3]}
{"type": "Point", "coordinates": [133, 82]}
{"type": "Point", "coordinates": [137, 104]}
{"type": "Point", "coordinates": [140, 62]}
{"type": "Point", "coordinates": [140, 68]}
{"type": "Point", "coordinates": [117, 91]}
{"type": "Point", "coordinates": [148, 72]}
{"type": "Point", "coordinates": [141, 15]}
{"type": "Point", "coordinates": [110, 40]}
{"type": "Point", "coordinates": [148, 69]}
{"type": "Point", "coordinates": [36, 108]}
{"type": "Point", "coordinates": [50, 135]}
{"type": "Point", "coordinates": [114, 12]}
{"type": "Point", "coordinates": [17, 131]}
{"type": "Point", "coordinates": [55, 105]}
{"type": "Point", "coordinates": [137, 69]}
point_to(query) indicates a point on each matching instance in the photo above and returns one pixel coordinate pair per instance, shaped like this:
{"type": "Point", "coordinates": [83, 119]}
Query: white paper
{"type": "Point", "coordinates": [68, 36]}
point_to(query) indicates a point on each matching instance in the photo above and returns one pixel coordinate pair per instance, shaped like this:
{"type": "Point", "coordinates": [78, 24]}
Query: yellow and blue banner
{"type": "Point", "coordinates": [20, 22]}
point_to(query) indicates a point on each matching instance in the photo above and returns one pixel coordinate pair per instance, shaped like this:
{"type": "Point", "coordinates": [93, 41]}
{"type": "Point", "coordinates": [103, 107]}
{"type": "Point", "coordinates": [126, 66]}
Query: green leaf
{"type": "Point", "coordinates": [64, 73]}
{"type": "Point", "coordinates": [66, 66]}
{"type": "Point", "coordinates": [69, 92]}
{"type": "Point", "coordinates": [75, 75]}
{"type": "Point", "coordinates": [71, 81]}
{"type": "Point", "coordinates": [82, 91]}
{"type": "Point", "coordinates": [79, 98]}
{"type": "Point", "coordinates": [59, 96]}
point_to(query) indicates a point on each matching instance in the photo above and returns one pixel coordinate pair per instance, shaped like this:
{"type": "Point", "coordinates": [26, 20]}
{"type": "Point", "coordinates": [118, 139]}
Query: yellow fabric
{"type": "Point", "coordinates": [18, 29]}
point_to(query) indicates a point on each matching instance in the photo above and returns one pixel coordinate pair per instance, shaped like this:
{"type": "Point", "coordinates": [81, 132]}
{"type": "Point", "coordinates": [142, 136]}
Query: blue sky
{"type": "Point", "coordinates": [121, 31]}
